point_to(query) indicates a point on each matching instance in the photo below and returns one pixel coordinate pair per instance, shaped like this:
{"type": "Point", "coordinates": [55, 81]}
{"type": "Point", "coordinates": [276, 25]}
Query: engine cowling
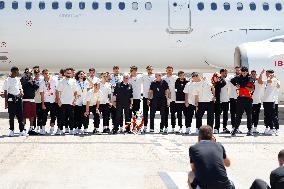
{"type": "Point", "coordinates": [268, 54]}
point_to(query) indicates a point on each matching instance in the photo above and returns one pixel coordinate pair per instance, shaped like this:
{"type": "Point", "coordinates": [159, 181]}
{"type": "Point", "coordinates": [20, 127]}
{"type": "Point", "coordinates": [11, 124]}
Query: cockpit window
{"type": "Point", "coordinates": [148, 5]}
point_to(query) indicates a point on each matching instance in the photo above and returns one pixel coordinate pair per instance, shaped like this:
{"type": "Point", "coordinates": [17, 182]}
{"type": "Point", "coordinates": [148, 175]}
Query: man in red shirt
{"type": "Point", "coordinates": [245, 88]}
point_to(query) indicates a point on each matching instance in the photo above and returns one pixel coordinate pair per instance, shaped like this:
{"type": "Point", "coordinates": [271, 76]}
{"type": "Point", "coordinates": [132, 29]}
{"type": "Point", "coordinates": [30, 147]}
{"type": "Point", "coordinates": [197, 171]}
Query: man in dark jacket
{"type": "Point", "coordinates": [245, 88]}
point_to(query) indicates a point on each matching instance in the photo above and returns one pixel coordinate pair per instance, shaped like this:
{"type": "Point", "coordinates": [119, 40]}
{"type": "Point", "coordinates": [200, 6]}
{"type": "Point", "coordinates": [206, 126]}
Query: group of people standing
{"type": "Point", "coordinates": [69, 97]}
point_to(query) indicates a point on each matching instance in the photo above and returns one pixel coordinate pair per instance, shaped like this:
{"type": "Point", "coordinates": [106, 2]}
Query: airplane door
{"type": "Point", "coordinates": [179, 16]}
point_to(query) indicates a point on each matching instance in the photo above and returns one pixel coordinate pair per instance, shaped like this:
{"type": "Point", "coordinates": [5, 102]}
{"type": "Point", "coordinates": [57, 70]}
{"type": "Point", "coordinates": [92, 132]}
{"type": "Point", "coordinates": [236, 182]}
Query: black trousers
{"type": "Point", "coordinates": [180, 109]}
{"type": "Point", "coordinates": [218, 109]}
{"type": "Point", "coordinates": [202, 107]}
{"type": "Point", "coordinates": [50, 108]}
{"type": "Point", "coordinates": [172, 109]}
{"type": "Point", "coordinates": [135, 107]}
{"type": "Point", "coordinates": [259, 184]}
{"type": "Point", "coordinates": [78, 116]}
{"type": "Point", "coordinates": [154, 106]}
{"type": "Point", "coordinates": [189, 112]}
{"type": "Point", "coordinates": [145, 111]}
{"type": "Point", "coordinates": [119, 114]}
{"type": "Point", "coordinates": [66, 114]}
{"type": "Point", "coordinates": [255, 114]}
{"type": "Point", "coordinates": [233, 111]}
{"type": "Point", "coordinates": [244, 104]}
{"type": "Point", "coordinates": [270, 118]}
{"type": "Point", "coordinates": [105, 110]}
{"type": "Point", "coordinates": [38, 118]}
{"type": "Point", "coordinates": [277, 115]}
{"type": "Point", "coordinates": [15, 108]}
{"type": "Point", "coordinates": [96, 117]}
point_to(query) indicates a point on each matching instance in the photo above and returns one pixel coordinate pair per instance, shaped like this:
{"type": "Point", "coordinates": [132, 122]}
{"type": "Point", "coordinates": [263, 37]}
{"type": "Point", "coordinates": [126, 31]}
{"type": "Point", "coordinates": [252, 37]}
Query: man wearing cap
{"type": "Point", "coordinates": [245, 87]}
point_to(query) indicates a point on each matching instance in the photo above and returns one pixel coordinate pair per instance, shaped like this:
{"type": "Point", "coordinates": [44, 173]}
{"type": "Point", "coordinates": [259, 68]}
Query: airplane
{"type": "Point", "coordinates": [188, 34]}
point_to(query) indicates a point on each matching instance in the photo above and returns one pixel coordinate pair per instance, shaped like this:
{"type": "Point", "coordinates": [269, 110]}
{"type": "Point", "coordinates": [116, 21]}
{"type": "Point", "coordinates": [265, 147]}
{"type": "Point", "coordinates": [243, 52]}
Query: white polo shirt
{"type": "Point", "coordinates": [147, 80]}
{"type": "Point", "coordinates": [188, 89]}
{"type": "Point", "coordinates": [171, 82]}
{"type": "Point", "coordinates": [93, 97]}
{"type": "Point", "coordinates": [105, 89]}
{"type": "Point", "coordinates": [136, 83]}
{"type": "Point", "coordinates": [67, 88]}
{"type": "Point", "coordinates": [224, 95]}
{"type": "Point", "coordinates": [82, 89]}
{"type": "Point", "coordinates": [232, 89]}
{"type": "Point", "coordinates": [94, 79]}
{"type": "Point", "coordinates": [48, 88]}
{"type": "Point", "coordinates": [204, 92]}
{"type": "Point", "coordinates": [258, 93]}
{"type": "Point", "coordinates": [270, 91]}
{"type": "Point", "coordinates": [12, 85]}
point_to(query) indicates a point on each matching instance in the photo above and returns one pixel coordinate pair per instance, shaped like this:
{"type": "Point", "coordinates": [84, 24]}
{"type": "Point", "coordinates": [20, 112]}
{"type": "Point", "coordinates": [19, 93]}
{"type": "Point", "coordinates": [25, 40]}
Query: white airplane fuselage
{"type": "Point", "coordinates": [173, 32]}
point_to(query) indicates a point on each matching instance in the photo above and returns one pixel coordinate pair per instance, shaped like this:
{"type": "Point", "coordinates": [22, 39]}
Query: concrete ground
{"type": "Point", "coordinates": [124, 161]}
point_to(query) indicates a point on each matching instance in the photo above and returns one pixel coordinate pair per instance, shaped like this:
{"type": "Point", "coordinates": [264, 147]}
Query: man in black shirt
{"type": "Point", "coordinates": [123, 93]}
{"type": "Point", "coordinates": [159, 99]}
{"type": "Point", "coordinates": [276, 176]}
{"type": "Point", "coordinates": [208, 160]}
{"type": "Point", "coordinates": [180, 98]}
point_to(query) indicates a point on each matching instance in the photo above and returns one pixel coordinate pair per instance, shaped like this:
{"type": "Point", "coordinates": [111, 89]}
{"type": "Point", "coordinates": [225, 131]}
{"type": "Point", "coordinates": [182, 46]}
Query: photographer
{"type": "Point", "coordinates": [208, 160]}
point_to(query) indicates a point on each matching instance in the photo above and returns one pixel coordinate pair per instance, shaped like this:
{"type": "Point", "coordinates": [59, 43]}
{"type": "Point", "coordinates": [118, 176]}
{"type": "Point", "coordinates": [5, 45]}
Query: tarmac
{"type": "Point", "coordinates": [126, 161]}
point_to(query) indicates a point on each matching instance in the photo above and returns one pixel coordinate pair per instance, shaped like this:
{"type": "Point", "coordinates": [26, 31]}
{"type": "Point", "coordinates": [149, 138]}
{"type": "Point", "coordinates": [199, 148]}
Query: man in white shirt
{"type": "Point", "coordinates": [92, 75]}
{"type": "Point", "coordinates": [269, 98]}
{"type": "Point", "coordinates": [66, 94]}
{"type": "Point", "coordinates": [147, 80]}
{"type": "Point", "coordinates": [38, 119]}
{"type": "Point", "coordinates": [105, 101]}
{"type": "Point", "coordinates": [171, 80]}
{"type": "Point", "coordinates": [136, 81]}
{"type": "Point", "coordinates": [204, 97]}
{"type": "Point", "coordinates": [115, 78]}
{"type": "Point", "coordinates": [257, 99]}
{"type": "Point", "coordinates": [13, 101]}
{"type": "Point", "coordinates": [47, 91]}
{"type": "Point", "coordinates": [190, 105]}
{"type": "Point", "coordinates": [233, 97]}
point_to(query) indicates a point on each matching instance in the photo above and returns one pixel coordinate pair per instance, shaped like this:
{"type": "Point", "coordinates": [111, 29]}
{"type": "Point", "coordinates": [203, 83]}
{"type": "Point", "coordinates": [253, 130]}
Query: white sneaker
{"type": "Point", "coordinates": [71, 132]}
{"type": "Point", "coordinates": [145, 130]}
{"type": "Point", "coordinates": [173, 130]}
{"type": "Point", "coordinates": [37, 129]}
{"type": "Point", "coordinates": [197, 131]}
{"type": "Point", "coordinates": [254, 130]}
{"type": "Point", "coordinates": [42, 132]}
{"type": "Point", "coordinates": [51, 131]}
{"type": "Point", "coordinates": [76, 131]}
{"type": "Point", "coordinates": [266, 131]}
{"type": "Point", "coordinates": [180, 130]}
{"type": "Point", "coordinates": [85, 131]}
{"type": "Point", "coordinates": [11, 133]}
{"type": "Point", "coordinates": [23, 133]}
{"type": "Point", "coordinates": [166, 130]}
{"type": "Point", "coordinates": [67, 130]}
{"type": "Point", "coordinates": [271, 132]}
{"type": "Point", "coordinates": [80, 131]}
{"type": "Point", "coordinates": [121, 129]}
{"type": "Point", "coordinates": [216, 131]}
{"type": "Point", "coordinates": [152, 131]}
{"type": "Point", "coordinates": [187, 132]}
{"type": "Point", "coordinates": [58, 132]}
{"type": "Point", "coordinates": [277, 132]}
